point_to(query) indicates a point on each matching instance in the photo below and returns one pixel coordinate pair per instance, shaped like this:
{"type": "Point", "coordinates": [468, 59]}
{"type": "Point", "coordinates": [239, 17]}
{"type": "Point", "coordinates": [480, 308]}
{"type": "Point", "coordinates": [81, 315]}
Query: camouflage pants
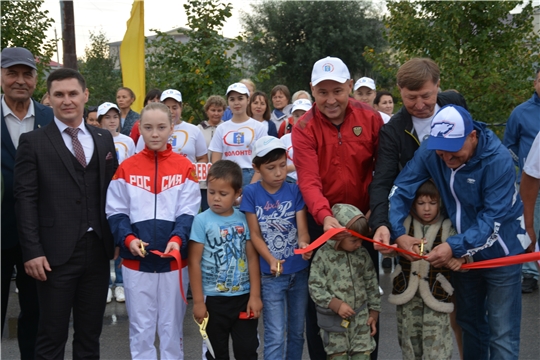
{"type": "Point", "coordinates": [423, 333]}
{"type": "Point", "coordinates": [356, 340]}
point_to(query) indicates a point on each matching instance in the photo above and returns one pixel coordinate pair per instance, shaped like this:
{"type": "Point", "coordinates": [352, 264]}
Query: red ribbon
{"type": "Point", "coordinates": [176, 255]}
{"type": "Point", "coordinates": [485, 264]}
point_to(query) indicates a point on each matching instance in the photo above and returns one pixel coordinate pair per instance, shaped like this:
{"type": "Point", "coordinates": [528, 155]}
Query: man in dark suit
{"type": "Point", "coordinates": [62, 172]}
{"type": "Point", "coordinates": [19, 114]}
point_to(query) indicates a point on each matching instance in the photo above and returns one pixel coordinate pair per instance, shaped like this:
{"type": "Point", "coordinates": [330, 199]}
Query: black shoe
{"type": "Point", "coordinates": [529, 284]}
{"type": "Point", "coordinates": [387, 263]}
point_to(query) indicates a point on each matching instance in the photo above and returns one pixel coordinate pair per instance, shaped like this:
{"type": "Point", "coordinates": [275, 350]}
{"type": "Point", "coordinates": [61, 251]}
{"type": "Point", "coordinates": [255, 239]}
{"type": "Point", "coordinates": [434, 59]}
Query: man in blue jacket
{"type": "Point", "coordinates": [522, 127]}
{"type": "Point", "coordinates": [475, 175]}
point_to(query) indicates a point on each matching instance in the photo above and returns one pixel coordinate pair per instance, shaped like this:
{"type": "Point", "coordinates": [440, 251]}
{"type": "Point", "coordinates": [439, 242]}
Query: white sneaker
{"type": "Point", "coordinates": [109, 296]}
{"type": "Point", "coordinates": [119, 294]}
{"type": "Point", "coordinates": [381, 291]}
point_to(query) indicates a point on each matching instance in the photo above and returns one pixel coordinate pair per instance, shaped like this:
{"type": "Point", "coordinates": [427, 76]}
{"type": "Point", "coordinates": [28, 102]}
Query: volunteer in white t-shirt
{"type": "Point", "coordinates": [234, 139]}
{"type": "Point", "coordinates": [108, 116]}
{"type": "Point", "coordinates": [186, 138]}
{"type": "Point", "coordinates": [299, 108]}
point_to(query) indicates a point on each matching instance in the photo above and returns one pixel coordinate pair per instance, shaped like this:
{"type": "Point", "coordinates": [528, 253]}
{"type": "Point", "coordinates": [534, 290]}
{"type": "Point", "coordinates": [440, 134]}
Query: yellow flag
{"type": "Point", "coordinates": [132, 55]}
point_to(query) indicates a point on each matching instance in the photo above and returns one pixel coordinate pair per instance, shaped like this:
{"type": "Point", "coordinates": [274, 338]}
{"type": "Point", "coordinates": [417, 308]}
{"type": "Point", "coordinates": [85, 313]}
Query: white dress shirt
{"type": "Point", "coordinates": [16, 126]}
{"type": "Point", "coordinates": [84, 137]}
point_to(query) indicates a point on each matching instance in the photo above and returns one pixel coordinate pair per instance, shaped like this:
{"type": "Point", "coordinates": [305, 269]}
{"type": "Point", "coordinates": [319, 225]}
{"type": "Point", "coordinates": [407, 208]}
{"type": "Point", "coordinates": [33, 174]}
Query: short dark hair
{"type": "Point", "coordinates": [252, 98]}
{"type": "Point", "coordinates": [131, 93]}
{"type": "Point", "coordinates": [428, 189]}
{"type": "Point", "coordinates": [273, 155]}
{"type": "Point", "coordinates": [64, 74]}
{"type": "Point", "coordinates": [284, 89]}
{"type": "Point", "coordinates": [226, 170]}
{"type": "Point", "coordinates": [360, 226]}
{"type": "Point", "coordinates": [380, 94]}
{"type": "Point", "coordinates": [215, 100]}
{"type": "Point", "coordinates": [152, 94]}
{"type": "Point", "coordinates": [416, 72]}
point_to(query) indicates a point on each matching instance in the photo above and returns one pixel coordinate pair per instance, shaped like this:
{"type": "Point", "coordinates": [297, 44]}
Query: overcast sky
{"type": "Point", "coordinates": [110, 16]}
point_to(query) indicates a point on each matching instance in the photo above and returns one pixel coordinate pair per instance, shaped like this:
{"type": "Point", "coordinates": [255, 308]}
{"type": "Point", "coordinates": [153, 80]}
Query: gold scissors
{"type": "Point", "coordinates": [202, 330]}
{"type": "Point", "coordinates": [422, 247]}
{"type": "Point", "coordinates": [141, 246]}
{"type": "Point", "coordinates": [278, 271]}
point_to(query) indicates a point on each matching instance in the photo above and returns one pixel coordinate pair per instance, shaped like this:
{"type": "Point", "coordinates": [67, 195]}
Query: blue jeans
{"type": "Point", "coordinates": [489, 312]}
{"type": "Point", "coordinates": [285, 300]}
{"type": "Point", "coordinates": [118, 279]}
{"type": "Point", "coordinates": [247, 174]}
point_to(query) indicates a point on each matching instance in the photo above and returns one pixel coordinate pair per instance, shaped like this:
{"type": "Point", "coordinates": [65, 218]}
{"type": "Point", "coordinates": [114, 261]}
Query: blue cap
{"type": "Point", "coordinates": [449, 129]}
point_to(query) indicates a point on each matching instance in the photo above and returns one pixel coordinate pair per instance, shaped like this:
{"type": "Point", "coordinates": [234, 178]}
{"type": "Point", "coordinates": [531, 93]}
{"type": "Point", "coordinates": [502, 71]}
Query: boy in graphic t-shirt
{"type": "Point", "coordinates": [276, 215]}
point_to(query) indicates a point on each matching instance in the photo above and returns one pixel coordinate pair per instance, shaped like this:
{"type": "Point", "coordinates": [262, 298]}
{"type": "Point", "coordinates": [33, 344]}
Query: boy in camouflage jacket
{"type": "Point", "coordinates": [343, 283]}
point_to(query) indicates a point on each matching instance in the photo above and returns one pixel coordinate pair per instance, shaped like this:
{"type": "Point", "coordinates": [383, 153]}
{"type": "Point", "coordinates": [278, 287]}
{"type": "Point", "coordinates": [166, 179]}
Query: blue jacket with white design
{"type": "Point", "coordinates": [480, 196]}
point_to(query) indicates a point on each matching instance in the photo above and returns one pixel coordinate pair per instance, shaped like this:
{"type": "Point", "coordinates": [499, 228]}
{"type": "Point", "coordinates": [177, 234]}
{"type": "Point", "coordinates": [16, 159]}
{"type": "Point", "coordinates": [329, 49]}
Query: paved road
{"type": "Point", "coordinates": [115, 344]}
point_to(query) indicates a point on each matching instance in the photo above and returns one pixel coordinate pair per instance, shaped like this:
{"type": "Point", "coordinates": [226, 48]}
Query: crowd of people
{"type": "Point", "coordinates": [82, 186]}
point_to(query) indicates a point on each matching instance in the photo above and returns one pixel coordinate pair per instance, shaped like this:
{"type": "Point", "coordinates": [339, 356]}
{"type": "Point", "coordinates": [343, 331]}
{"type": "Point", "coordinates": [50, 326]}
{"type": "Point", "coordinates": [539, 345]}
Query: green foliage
{"type": "Point", "coordinates": [24, 24]}
{"type": "Point", "coordinates": [298, 33]}
{"type": "Point", "coordinates": [98, 68]}
{"type": "Point", "coordinates": [483, 51]}
{"type": "Point", "coordinates": [203, 66]}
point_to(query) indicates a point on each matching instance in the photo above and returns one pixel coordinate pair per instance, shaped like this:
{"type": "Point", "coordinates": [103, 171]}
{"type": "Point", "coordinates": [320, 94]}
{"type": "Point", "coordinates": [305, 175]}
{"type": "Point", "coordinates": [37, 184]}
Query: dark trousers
{"type": "Point", "coordinates": [27, 323]}
{"type": "Point", "coordinates": [224, 311]}
{"type": "Point", "coordinates": [314, 341]}
{"type": "Point", "coordinates": [80, 284]}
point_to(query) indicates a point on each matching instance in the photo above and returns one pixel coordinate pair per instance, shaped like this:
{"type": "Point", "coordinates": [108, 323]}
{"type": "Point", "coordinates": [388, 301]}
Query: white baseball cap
{"type": "Point", "coordinates": [171, 93]}
{"type": "Point", "coordinates": [266, 144]}
{"type": "Point", "coordinates": [239, 88]}
{"type": "Point", "coordinates": [105, 107]}
{"type": "Point", "coordinates": [365, 81]}
{"type": "Point", "coordinates": [301, 104]}
{"type": "Point", "coordinates": [330, 68]}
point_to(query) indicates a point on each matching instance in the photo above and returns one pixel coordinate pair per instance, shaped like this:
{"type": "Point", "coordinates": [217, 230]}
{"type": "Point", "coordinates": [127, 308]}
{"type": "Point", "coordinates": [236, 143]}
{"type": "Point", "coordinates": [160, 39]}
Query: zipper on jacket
{"type": "Point", "coordinates": [155, 194]}
{"type": "Point", "coordinates": [352, 280]}
{"type": "Point", "coordinates": [458, 203]}
{"type": "Point", "coordinates": [414, 137]}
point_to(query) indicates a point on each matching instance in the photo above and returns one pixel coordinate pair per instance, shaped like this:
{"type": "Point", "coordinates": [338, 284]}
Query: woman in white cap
{"type": "Point", "coordinates": [365, 91]}
{"type": "Point", "coordinates": [299, 108]}
{"type": "Point", "coordinates": [234, 139]}
{"type": "Point", "coordinates": [186, 138]}
{"type": "Point", "coordinates": [108, 117]}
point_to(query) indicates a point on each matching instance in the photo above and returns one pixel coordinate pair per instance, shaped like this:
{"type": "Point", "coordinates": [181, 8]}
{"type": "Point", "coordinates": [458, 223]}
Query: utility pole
{"type": "Point", "coordinates": [68, 34]}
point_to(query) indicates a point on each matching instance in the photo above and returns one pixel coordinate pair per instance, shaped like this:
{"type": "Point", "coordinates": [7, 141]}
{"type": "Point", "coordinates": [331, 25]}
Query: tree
{"type": "Point", "coordinates": [24, 24]}
{"type": "Point", "coordinates": [98, 68]}
{"type": "Point", "coordinates": [203, 66]}
{"type": "Point", "coordinates": [483, 51]}
{"type": "Point", "coordinates": [298, 33]}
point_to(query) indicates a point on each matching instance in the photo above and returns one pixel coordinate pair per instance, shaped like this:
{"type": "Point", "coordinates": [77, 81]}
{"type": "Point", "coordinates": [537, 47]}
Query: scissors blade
{"type": "Point", "coordinates": [209, 347]}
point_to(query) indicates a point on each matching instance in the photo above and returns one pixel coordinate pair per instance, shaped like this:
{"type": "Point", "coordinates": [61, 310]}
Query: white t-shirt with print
{"type": "Point", "coordinates": [186, 140]}
{"type": "Point", "coordinates": [423, 126]}
{"type": "Point", "coordinates": [235, 140]}
{"type": "Point", "coordinates": [287, 141]}
{"type": "Point", "coordinates": [125, 147]}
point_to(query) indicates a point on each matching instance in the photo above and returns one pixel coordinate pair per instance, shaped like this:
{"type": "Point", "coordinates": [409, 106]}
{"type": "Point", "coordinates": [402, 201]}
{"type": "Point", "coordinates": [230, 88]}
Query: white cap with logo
{"type": "Point", "coordinates": [330, 68]}
{"type": "Point", "coordinates": [301, 104]}
{"type": "Point", "coordinates": [105, 107]}
{"type": "Point", "coordinates": [171, 93]}
{"type": "Point", "coordinates": [239, 88]}
{"type": "Point", "coordinates": [266, 144]}
{"type": "Point", "coordinates": [365, 81]}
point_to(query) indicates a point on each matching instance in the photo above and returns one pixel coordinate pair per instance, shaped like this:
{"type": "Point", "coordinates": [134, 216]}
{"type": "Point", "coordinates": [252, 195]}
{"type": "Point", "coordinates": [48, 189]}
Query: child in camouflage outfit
{"type": "Point", "coordinates": [423, 293]}
{"type": "Point", "coordinates": [343, 285]}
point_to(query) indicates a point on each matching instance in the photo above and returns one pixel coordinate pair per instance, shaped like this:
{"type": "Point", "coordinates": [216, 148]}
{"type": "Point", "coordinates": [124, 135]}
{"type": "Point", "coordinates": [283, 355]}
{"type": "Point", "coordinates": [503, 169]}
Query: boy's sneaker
{"type": "Point", "coordinates": [109, 296]}
{"type": "Point", "coordinates": [387, 263]}
{"type": "Point", "coordinates": [529, 284]}
{"type": "Point", "coordinates": [119, 294]}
